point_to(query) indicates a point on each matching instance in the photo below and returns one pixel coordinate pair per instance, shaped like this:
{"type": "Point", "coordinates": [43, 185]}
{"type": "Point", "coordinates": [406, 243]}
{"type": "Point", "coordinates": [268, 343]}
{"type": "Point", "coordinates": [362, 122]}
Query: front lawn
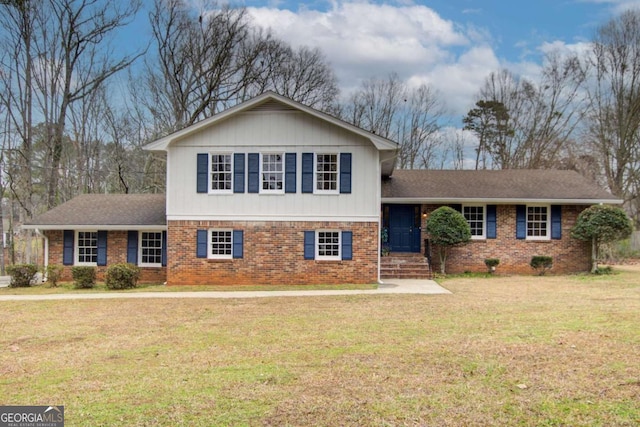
{"type": "Point", "coordinates": [516, 351]}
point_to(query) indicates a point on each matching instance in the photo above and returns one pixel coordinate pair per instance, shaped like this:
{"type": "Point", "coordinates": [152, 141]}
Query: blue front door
{"type": "Point", "coordinates": [404, 228]}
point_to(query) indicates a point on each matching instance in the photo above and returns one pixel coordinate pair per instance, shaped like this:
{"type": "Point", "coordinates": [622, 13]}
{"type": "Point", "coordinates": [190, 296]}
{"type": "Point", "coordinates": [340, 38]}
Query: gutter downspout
{"type": "Point", "coordinates": [45, 254]}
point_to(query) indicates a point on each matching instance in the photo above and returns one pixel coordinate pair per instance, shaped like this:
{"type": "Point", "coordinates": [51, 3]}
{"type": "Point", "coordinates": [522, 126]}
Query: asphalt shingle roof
{"type": "Point", "coordinates": [514, 184]}
{"type": "Point", "coordinates": [106, 210]}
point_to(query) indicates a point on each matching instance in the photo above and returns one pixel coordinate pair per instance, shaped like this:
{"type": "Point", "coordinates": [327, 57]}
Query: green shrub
{"type": "Point", "coordinates": [491, 264]}
{"type": "Point", "coordinates": [22, 275]}
{"type": "Point", "coordinates": [53, 273]}
{"type": "Point", "coordinates": [604, 270]}
{"type": "Point", "coordinates": [84, 277]}
{"type": "Point", "coordinates": [541, 263]}
{"type": "Point", "coordinates": [122, 276]}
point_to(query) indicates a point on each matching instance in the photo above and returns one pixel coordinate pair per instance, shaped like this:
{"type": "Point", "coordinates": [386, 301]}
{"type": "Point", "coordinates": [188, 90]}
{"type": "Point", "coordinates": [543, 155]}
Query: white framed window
{"type": "Point", "coordinates": [150, 249]}
{"type": "Point", "coordinates": [221, 174]}
{"type": "Point", "coordinates": [272, 173]}
{"type": "Point", "coordinates": [538, 223]}
{"type": "Point", "coordinates": [328, 245]}
{"type": "Point", "coordinates": [476, 218]}
{"type": "Point", "coordinates": [326, 173]}
{"type": "Point", "coordinates": [86, 248]}
{"type": "Point", "coordinates": [220, 243]}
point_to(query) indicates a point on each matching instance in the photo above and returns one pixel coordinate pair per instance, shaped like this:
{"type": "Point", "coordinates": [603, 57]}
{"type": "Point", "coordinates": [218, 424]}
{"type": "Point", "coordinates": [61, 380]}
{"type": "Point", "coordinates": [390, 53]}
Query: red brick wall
{"type": "Point", "coordinates": [116, 253]}
{"type": "Point", "coordinates": [273, 254]}
{"type": "Point", "coordinates": [569, 255]}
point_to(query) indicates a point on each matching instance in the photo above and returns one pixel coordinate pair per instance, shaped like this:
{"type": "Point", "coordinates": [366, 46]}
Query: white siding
{"type": "Point", "coordinates": [290, 132]}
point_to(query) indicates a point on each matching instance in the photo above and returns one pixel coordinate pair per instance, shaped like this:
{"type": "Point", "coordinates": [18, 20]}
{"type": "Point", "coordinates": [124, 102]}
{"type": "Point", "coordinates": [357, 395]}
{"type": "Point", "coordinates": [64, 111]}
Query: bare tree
{"type": "Point", "coordinates": [302, 74]}
{"type": "Point", "coordinates": [376, 105]}
{"type": "Point", "coordinates": [420, 128]}
{"type": "Point", "coordinates": [204, 62]}
{"type": "Point", "coordinates": [58, 55]}
{"type": "Point", "coordinates": [614, 105]}
{"type": "Point", "coordinates": [541, 118]}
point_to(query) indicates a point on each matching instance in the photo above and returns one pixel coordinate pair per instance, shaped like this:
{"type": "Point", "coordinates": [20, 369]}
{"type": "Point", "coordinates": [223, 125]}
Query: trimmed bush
{"type": "Point", "coordinates": [84, 277]}
{"type": "Point", "coordinates": [491, 264]}
{"type": "Point", "coordinates": [53, 272]}
{"type": "Point", "coordinates": [22, 275]}
{"type": "Point", "coordinates": [541, 263]}
{"type": "Point", "coordinates": [122, 276]}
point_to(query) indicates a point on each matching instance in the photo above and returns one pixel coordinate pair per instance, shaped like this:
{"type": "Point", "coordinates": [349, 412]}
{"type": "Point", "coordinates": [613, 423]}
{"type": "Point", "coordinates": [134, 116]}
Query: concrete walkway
{"type": "Point", "coordinates": [391, 286]}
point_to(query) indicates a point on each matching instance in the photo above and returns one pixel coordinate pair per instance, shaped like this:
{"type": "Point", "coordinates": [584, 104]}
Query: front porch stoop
{"type": "Point", "coordinates": [405, 266]}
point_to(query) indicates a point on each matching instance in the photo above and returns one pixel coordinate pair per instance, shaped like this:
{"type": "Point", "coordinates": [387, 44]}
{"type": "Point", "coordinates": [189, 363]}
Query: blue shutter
{"type": "Point", "coordinates": [203, 173]}
{"type": "Point", "coordinates": [254, 172]}
{"type": "Point", "coordinates": [347, 245]}
{"type": "Point", "coordinates": [521, 221]}
{"type": "Point", "coordinates": [290, 172]}
{"type": "Point", "coordinates": [457, 207]}
{"type": "Point", "coordinates": [132, 247]}
{"type": "Point", "coordinates": [67, 247]}
{"type": "Point", "coordinates": [556, 222]}
{"type": "Point", "coordinates": [201, 244]}
{"type": "Point", "coordinates": [345, 173]}
{"type": "Point", "coordinates": [307, 172]}
{"type": "Point", "coordinates": [238, 173]}
{"type": "Point", "coordinates": [238, 242]}
{"type": "Point", "coordinates": [164, 248]}
{"type": "Point", "coordinates": [492, 223]}
{"type": "Point", "coordinates": [102, 247]}
{"type": "Point", "coordinates": [309, 245]}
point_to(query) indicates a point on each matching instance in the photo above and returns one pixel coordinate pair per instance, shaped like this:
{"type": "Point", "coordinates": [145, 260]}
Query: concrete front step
{"type": "Point", "coordinates": [405, 266]}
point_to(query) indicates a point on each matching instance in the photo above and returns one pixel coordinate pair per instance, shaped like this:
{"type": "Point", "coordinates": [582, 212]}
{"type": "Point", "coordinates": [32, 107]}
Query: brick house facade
{"type": "Point", "coordinates": [569, 255]}
{"type": "Point", "coordinates": [273, 192]}
{"type": "Point", "coordinates": [262, 262]}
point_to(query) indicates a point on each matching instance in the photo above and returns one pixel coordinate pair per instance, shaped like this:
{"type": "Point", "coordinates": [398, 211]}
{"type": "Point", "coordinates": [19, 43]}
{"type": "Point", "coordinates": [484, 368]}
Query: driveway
{"type": "Point", "coordinates": [391, 286]}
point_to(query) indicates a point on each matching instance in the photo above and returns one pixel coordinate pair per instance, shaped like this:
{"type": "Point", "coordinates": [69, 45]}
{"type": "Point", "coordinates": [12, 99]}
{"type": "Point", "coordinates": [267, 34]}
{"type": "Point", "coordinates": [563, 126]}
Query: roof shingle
{"type": "Point", "coordinates": [509, 184]}
{"type": "Point", "coordinates": [105, 210]}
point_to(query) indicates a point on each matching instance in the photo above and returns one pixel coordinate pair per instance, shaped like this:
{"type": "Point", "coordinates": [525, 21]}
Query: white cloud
{"type": "Point", "coordinates": [410, 40]}
{"type": "Point", "coordinates": [460, 80]}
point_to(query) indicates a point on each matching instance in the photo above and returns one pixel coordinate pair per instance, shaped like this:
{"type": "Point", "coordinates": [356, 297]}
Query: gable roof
{"type": "Point", "coordinates": [271, 100]}
{"type": "Point", "coordinates": [505, 186]}
{"type": "Point", "coordinates": [107, 211]}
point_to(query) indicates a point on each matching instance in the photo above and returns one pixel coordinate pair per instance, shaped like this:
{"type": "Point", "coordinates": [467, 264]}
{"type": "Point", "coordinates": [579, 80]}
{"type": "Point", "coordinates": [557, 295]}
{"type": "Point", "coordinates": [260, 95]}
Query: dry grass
{"type": "Point", "coordinates": [523, 351]}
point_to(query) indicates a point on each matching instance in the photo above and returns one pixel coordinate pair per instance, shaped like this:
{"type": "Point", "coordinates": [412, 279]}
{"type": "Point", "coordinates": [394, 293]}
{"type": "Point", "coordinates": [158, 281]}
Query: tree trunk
{"type": "Point", "coordinates": [594, 255]}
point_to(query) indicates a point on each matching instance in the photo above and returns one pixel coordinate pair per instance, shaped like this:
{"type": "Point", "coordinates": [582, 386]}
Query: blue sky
{"type": "Point", "coordinates": [450, 44]}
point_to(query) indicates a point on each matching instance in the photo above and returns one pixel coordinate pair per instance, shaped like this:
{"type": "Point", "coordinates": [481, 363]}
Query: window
{"type": "Point", "coordinates": [328, 245]}
{"type": "Point", "coordinates": [221, 244]}
{"type": "Point", "coordinates": [537, 222]}
{"type": "Point", "coordinates": [475, 216]}
{"type": "Point", "coordinates": [150, 248]}
{"type": "Point", "coordinates": [87, 248]}
{"type": "Point", "coordinates": [272, 173]}
{"type": "Point", "coordinates": [221, 173]}
{"type": "Point", "coordinates": [327, 173]}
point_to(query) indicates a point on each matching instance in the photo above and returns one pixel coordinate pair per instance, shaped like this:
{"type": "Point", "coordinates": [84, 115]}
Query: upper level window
{"type": "Point", "coordinates": [326, 173]}
{"type": "Point", "coordinates": [272, 173]}
{"type": "Point", "coordinates": [538, 222]}
{"type": "Point", "coordinates": [221, 173]}
{"type": "Point", "coordinates": [87, 248]}
{"type": "Point", "coordinates": [475, 216]}
{"type": "Point", "coordinates": [150, 248]}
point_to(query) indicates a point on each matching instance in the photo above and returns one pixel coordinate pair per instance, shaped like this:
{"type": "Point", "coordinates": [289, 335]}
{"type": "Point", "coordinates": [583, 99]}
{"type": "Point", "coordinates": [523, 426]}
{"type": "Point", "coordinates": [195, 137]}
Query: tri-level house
{"type": "Point", "coordinates": [271, 191]}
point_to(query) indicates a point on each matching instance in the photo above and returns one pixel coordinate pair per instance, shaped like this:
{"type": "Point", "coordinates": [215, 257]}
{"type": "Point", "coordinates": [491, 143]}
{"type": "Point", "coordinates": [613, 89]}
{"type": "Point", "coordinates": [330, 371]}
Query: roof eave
{"type": "Point", "coordinates": [93, 227]}
{"type": "Point", "coordinates": [502, 200]}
